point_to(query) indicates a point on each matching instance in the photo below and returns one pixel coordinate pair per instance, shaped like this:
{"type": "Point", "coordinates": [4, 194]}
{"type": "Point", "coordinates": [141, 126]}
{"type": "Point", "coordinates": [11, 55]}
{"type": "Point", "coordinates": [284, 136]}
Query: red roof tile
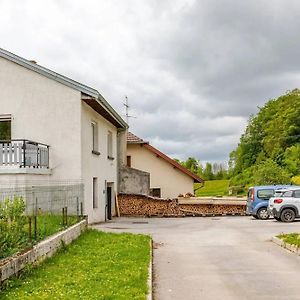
{"type": "Point", "coordinates": [132, 138]}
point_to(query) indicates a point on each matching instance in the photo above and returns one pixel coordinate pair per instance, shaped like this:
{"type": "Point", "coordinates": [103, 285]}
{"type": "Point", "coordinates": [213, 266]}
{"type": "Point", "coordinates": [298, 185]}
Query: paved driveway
{"type": "Point", "coordinates": [218, 258]}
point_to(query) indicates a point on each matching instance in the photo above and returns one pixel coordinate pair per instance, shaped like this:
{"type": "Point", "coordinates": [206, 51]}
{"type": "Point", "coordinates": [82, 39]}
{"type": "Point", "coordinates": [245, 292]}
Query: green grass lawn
{"type": "Point", "coordinates": [213, 188]}
{"type": "Point", "coordinates": [291, 238]}
{"type": "Point", "coordinates": [97, 265]}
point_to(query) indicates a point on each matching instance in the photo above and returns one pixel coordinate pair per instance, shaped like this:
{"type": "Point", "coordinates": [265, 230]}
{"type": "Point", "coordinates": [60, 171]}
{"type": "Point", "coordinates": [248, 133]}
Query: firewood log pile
{"type": "Point", "coordinates": [211, 209]}
{"type": "Point", "coordinates": [139, 205]}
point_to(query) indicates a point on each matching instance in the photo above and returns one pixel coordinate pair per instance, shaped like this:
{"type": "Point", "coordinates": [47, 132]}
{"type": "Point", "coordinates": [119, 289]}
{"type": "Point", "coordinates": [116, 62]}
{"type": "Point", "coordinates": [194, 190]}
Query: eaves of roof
{"type": "Point", "coordinates": [97, 97]}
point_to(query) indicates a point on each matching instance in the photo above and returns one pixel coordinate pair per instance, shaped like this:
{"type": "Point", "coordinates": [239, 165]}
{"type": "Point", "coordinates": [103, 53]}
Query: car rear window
{"type": "Point", "coordinates": [287, 194]}
{"type": "Point", "coordinates": [265, 194]}
{"type": "Point", "coordinates": [297, 194]}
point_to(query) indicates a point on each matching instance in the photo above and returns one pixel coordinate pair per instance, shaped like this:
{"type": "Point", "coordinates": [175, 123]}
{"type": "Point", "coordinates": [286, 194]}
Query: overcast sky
{"type": "Point", "coordinates": [193, 71]}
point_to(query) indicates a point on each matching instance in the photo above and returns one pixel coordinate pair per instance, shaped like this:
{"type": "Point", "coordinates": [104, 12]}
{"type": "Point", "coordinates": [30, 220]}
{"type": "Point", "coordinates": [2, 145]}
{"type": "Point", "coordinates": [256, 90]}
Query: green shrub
{"type": "Point", "coordinates": [12, 221]}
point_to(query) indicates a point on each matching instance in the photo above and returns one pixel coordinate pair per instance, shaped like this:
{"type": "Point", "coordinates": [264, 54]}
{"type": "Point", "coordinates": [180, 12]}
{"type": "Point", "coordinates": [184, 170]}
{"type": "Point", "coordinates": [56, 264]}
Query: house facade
{"type": "Point", "coordinates": [168, 179]}
{"type": "Point", "coordinates": [54, 128]}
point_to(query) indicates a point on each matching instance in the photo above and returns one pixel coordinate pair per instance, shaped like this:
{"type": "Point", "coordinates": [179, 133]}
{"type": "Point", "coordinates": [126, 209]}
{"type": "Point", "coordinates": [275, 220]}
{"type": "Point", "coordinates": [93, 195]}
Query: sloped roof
{"type": "Point", "coordinates": [96, 97]}
{"type": "Point", "coordinates": [133, 139]}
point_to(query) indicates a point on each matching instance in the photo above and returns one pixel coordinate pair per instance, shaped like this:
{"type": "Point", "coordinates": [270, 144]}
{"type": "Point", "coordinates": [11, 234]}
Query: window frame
{"type": "Point", "coordinates": [110, 148]}
{"type": "Point", "coordinates": [95, 192]}
{"type": "Point", "coordinates": [95, 141]}
{"type": "Point", "coordinates": [6, 118]}
{"type": "Point", "coordinates": [128, 161]}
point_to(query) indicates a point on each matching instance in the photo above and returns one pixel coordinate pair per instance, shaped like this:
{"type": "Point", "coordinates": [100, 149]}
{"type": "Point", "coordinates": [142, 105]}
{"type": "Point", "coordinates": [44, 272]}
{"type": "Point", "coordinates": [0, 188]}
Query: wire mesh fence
{"type": "Point", "coordinates": [46, 197]}
{"type": "Point", "coordinates": [31, 211]}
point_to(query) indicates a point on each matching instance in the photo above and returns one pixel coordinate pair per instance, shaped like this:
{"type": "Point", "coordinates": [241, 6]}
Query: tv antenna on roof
{"type": "Point", "coordinates": [127, 110]}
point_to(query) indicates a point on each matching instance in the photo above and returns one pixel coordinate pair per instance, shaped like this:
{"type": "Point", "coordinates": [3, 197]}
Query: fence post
{"type": "Point", "coordinates": [66, 216]}
{"type": "Point", "coordinates": [63, 216]}
{"type": "Point", "coordinates": [77, 208]}
{"type": "Point", "coordinates": [29, 230]}
{"type": "Point", "coordinates": [81, 209]}
{"type": "Point", "coordinates": [35, 227]}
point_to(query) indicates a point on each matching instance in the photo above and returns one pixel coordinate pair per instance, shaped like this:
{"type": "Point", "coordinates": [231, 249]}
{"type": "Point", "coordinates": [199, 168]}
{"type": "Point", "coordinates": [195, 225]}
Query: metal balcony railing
{"type": "Point", "coordinates": [24, 154]}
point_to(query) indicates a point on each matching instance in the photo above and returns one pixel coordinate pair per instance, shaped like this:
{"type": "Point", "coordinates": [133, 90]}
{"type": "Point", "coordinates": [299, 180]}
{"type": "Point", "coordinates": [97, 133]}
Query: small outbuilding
{"type": "Point", "coordinates": [168, 178]}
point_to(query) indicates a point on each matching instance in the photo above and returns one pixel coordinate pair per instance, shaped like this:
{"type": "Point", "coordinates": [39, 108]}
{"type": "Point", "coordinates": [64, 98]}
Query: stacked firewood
{"type": "Point", "coordinates": [211, 209]}
{"type": "Point", "coordinates": [139, 205]}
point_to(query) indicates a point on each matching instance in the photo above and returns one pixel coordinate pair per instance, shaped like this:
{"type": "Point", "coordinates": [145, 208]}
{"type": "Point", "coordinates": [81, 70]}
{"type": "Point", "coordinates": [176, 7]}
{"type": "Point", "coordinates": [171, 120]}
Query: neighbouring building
{"type": "Point", "coordinates": [54, 128]}
{"type": "Point", "coordinates": [168, 178]}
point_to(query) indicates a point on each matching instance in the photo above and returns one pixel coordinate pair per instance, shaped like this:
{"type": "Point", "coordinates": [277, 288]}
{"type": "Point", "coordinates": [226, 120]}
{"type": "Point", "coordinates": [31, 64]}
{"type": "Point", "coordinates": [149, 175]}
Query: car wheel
{"type": "Point", "coordinates": [255, 216]}
{"type": "Point", "coordinates": [263, 214]}
{"type": "Point", "coordinates": [288, 215]}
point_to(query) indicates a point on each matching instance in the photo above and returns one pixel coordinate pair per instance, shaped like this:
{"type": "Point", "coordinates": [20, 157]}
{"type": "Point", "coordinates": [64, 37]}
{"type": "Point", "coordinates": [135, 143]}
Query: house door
{"type": "Point", "coordinates": [108, 195]}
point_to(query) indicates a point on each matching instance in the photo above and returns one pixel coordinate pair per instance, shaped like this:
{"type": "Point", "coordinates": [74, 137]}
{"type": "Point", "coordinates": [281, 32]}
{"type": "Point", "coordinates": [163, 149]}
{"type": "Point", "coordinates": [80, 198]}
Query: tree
{"type": "Point", "coordinates": [271, 173]}
{"type": "Point", "coordinates": [207, 172]}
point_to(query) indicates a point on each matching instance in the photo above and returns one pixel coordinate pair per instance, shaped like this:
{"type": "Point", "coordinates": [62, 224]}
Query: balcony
{"type": "Point", "coordinates": [23, 154]}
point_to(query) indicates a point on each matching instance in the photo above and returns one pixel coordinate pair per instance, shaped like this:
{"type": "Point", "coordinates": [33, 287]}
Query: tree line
{"type": "Point", "coordinates": [207, 171]}
{"type": "Point", "coordinates": [269, 149]}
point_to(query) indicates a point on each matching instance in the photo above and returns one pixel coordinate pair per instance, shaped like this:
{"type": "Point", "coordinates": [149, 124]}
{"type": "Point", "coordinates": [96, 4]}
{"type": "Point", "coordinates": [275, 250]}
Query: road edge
{"type": "Point", "coordinates": [287, 246]}
{"type": "Point", "coordinates": [150, 270]}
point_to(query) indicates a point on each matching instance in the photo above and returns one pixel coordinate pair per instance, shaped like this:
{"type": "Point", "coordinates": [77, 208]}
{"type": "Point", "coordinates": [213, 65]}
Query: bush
{"type": "Point", "coordinates": [269, 172]}
{"type": "Point", "coordinates": [12, 220]}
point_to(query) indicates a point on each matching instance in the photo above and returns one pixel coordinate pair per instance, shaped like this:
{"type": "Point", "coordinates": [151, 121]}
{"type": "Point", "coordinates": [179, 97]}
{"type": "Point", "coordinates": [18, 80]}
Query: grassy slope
{"type": "Point", "coordinates": [213, 188]}
{"type": "Point", "coordinates": [98, 265]}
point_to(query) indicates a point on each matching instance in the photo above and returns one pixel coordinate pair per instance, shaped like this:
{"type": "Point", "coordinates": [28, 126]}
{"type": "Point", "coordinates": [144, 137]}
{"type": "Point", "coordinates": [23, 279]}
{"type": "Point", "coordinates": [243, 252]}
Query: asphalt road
{"type": "Point", "coordinates": [218, 258]}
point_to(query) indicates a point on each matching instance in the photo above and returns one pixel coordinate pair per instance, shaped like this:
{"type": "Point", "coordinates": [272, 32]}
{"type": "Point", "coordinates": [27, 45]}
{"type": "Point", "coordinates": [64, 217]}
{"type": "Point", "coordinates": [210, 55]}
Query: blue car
{"type": "Point", "coordinates": [258, 200]}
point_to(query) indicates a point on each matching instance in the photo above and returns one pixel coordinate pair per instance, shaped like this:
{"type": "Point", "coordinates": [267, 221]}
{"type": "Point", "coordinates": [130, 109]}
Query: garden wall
{"type": "Point", "coordinates": [139, 205]}
{"type": "Point", "coordinates": [12, 265]}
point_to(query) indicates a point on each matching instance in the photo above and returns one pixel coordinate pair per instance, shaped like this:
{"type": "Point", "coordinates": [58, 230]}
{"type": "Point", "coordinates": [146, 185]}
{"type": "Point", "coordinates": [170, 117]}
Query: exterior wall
{"type": "Point", "coordinates": [44, 111]}
{"type": "Point", "coordinates": [97, 165]}
{"type": "Point", "coordinates": [133, 181]}
{"type": "Point", "coordinates": [163, 175]}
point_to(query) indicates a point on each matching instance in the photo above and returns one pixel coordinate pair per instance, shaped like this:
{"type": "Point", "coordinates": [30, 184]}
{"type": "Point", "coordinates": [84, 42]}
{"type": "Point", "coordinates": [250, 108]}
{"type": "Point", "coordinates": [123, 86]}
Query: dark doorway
{"type": "Point", "coordinates": [108, 195]}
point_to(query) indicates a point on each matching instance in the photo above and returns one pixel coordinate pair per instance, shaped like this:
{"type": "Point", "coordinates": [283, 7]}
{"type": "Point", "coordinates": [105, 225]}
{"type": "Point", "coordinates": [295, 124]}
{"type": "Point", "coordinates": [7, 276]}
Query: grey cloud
{"type": "Point", "coordinates": [194, 70]}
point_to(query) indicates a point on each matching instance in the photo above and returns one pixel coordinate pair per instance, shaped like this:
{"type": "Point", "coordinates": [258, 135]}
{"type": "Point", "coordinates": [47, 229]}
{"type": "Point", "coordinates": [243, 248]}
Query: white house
{"type": "Point", "coordinates": [168, 178]}
{"type": "Point", "coordinates": [52, 127]}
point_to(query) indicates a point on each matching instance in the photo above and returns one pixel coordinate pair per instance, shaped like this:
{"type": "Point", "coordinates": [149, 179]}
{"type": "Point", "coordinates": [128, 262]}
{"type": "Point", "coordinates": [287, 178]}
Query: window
{"type": "Point", "coordinates": [265, 194]}
{"type": "Point", "coordinates": [297, 194]}
{"type": "Point", "coordinates": [110, 145]}
{"type": "Point", "coordinates": [128, 161]}
{"type": "Point", "coordinates": [95, 192]}
{"type": "Point", "coordinates": [5, 127]}
{"type": "Point", "coordinates": [155, 192]}
{"type": "Point", "coordinates": [95, 138]}
{"type": "Point", "coordinates": [287, 194]}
